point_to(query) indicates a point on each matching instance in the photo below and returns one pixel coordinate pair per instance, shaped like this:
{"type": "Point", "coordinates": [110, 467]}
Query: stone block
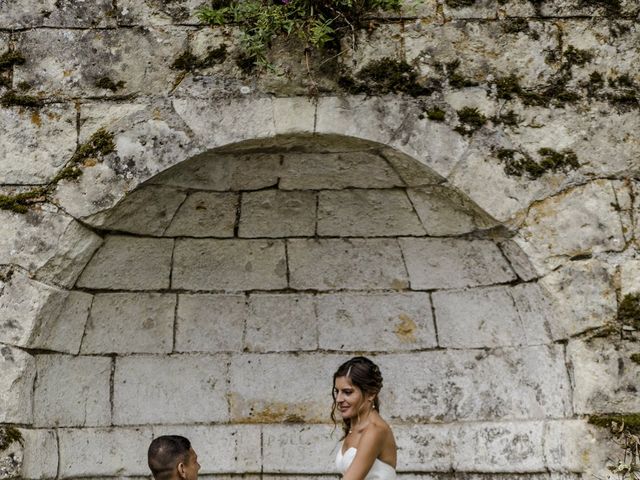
{"type": "Point", "coordinates": [210, 323]}
{"type": "Point", "coordinates": [36, 143]}
{"type": "Point", "coordinates": [445, 212]}
{"type": "Point", "coordinates": [630, 277]}
{"type": "Point", "coordinates": [47, 242]}
{"type": "Point", "coordinates": [282, 444]}
{"type": "Point", "coordinates": [130, 323]}
{"type": "Point", "coordinates": [146, 211]}
{"type": "Point", "coordinates": [572, 446]}
{"type": "Point", "coordinates": [64, 332]}
{"type": "Point", "coordinates": [605, 378]}
{"type": "Point", "coordinates": [518, 261]}
{"type": "Point", "coordinates": [281, 323]}
{"type": "Point", "coordinates": [454, 263]}
{"type": "Point", "coordinates": [131, 12]}
{"type": "Point", "coordinates": [468, 385]}
{"type": "Point", "coordinates": [424, 448]}
{"type": "Point", "coordinates": [223, 172]}
{"type": "Point", "coordinates": [71, 62]}
{"type": "Point", "coordinates": [499, 447]}
{"type": "Point", "coordinates": [40, 457]}
{"type": "Point", "coordinates": [26, 306]}
{"type": "Point", "coordinates": [96, 452]}
{"type": "Point", "coordinates": [221, 449]}
{"type": "Point", "coordinates": [375, 322]}
{"type": "Point", "coordinates": [585, 293]}
{"type": "Point", "coordinates": [72, 391]}
{"type": "Point", "coordinates": [374, 44]}
{"type": "Point", "coordinates": [177, 389]}
{"type": "Point", "coordinates": [587, 211]}
{"type": "Point", "coordinates": [229, 265]}
{"type": "Point", "coordinates": [294, 115]}
{"type": "Point", "coordinates": [346, 264]}
{"type": "Point", "coordinates": [412, 172]}
{"type": "Point", "coordinates": [367, 213]}
{"type": "Point", "coordinates": [277, 213]}
{"type": "Point", "coordinates": [16, 385]}
{"type": "Point", "coordinates": [205, 214]}
{"type": "Point", "coordinates": [129, 263]}
{"type": "Point", "coordinates": [542, 320]}
{"type": "Point", "coordinates": [51, 13]}
{"type": "Point", "coordinates": [304, 171]}
{"type": "Point", "coordinates": [260, 387]}
{"type": "Point", "coordinates": [483, 317]}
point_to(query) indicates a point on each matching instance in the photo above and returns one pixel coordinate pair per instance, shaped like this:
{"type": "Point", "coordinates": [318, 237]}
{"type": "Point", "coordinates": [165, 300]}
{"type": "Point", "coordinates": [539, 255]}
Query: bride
{"type": "Point", "coordinates": [368, 449]}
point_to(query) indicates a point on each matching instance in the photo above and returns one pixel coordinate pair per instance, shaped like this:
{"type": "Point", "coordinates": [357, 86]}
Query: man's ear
{"type": "Point", "coordinates": [181, 470]}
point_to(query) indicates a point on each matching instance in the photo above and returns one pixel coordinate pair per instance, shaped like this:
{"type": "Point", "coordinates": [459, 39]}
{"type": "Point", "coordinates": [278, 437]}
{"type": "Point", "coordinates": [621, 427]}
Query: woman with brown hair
{"type": "Point", "coordinates": [368, 449]}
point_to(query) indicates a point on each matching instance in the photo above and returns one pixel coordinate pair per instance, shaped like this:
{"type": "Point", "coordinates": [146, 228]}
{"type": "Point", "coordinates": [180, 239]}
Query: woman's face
{"type": "Point", "coordinates": [349, 398]}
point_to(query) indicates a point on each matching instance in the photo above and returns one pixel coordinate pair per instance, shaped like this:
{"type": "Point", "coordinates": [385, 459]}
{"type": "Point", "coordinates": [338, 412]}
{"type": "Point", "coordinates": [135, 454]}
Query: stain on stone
{"type": "Point", "coordinates": [8, 436]}
{"type": "Point", "coordinates": [629, 310]}
{"type": "Point", "coordinates": [36, 119]}
{"type": "Point", "coordinates": [406, 329]}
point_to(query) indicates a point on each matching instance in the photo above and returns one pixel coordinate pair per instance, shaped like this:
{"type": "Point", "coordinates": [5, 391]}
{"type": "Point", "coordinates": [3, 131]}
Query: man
{"type": "Point", "coordinates": [172, 458]}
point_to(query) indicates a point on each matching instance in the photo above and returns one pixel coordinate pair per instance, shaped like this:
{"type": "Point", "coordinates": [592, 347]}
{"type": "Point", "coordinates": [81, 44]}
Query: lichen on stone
{"type": "Point", "coordinates": [629, 310]}
{"type": "Point", "coordinates": [8, 436]}
{"type": "Point", "coordinates": [470, 120]}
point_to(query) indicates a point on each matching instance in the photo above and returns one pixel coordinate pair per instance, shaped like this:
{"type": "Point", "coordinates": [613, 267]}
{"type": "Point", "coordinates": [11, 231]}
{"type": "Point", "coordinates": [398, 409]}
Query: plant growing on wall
{"type": "Point", "coordinates": [318, 23]}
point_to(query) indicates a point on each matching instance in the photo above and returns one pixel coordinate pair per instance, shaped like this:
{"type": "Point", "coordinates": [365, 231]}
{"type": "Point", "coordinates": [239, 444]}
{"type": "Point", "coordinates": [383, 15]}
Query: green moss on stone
{"type": "Point", "coordinates": [383, 76]}
{"type": "Point", "coordinates": [8, 59]}
{"type": "Point", "coordinates": [518, 164]}
{"type": "Point", "coordinates": [470, 120]}
{"type": "Point", "coordinates": [436, 114]}
{"type": "Point", "coordinates": [189, 62]}
{"type": "Point", "coordinates": [457, 80]}
{"type": "Point", "coordinates": [459, 3]}
{"type": "Point", "coordinates": [508, 87]}
{"type": "Point", "coordinates": [629, 310]}
{"type": "Point", "coordinates": [14, 99]}
{"type": "Point", "coordinates": [509, 118]}
{"type": "Point", "coordinates": [609, 6]}
{"type": "Point", "coordinates": [574, 56]}
{"type": "Point", "coordinates": [635, 358]}
{"type": "Point", "coordinates": [553, 160]}
{"type": "Point", "coordinates": [9, 436]}
{"type": "Point", "coordinates": [515, 25]}
{"type": "Point", "coordinates": [99, 144]}
{"type": "Point", "coordinates": [630, 422]}
{"type": "Point", "coordinates": [108, 84]}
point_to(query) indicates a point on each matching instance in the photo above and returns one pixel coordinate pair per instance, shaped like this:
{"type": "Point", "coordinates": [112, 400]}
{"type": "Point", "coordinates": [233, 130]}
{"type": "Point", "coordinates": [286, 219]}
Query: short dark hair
{"type": "Point", "coordinates": [165, 453]}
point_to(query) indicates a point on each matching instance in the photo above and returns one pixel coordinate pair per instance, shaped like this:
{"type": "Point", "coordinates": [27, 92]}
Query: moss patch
{"type": "Point", "coordinates": [615, 421]}
{"type": "Point", "coordinates": [470, 120]}
{"type": "Point", "coordinates": [108, 84]}
{"type": "Point", "coordinates": [609, 6]}
{"type": "Point", "coordinates": [459, 3]}
{"type": "Point", "coordinates": [8, 59]}
{"type": "Point", "coordinates": [629, 310]}
{"type": "Point", "coordinates": [436, 114]}
{"type": "Point", "coordinates": [518, 164]}
{"type": "Point", "coordinates": [635, 358]}
{"type": "Point", "coordinates": [9, 436]}
{"type": "Point", "coordinates": [574, 56]}
{"type": "Point", "coordinates": [456, 79]}
{"type": "Point", "coordinates": [383, 76]}
{"type": "Point", "coordinates": [515, 25]}
{"type": "Point", "coordinates": [188, 62]}
{"type": "Point", "coordinates": [14, 99]}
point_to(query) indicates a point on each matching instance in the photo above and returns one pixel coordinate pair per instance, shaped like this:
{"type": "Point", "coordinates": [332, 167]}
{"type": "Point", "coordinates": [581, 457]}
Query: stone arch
{"type": "Point", "coordinates": [429, 431]}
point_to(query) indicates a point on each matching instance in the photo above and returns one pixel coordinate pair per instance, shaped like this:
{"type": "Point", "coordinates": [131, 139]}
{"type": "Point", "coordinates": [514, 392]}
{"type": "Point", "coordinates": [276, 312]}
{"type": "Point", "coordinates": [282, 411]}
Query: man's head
{"type": "Point", "coordinates": [172, 458]}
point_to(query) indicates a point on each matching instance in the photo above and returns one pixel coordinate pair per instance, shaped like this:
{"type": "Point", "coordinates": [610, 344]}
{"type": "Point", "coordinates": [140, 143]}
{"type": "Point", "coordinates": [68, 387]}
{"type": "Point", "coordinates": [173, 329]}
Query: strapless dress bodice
{"type": "Point", "coordinates": [379, 470]}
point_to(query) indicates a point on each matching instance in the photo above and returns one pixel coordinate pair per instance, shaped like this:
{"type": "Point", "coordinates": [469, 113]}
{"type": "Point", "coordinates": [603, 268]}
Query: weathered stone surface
{"type": "Point", "coordinates": [375, 322]}
{"type": "Point", "coordinates": [356, 264]}
{"type": "Point", "coordinates": [411, 171]}
{"type": "Point", "coordinates": [336, 171]}
{"type": "Point", "coordinates": [11, 460]}
{"type": "Point", "coordinates": [605, 378]}
{"type": "Point", "coordinates": [480, 317]}
{"type": "Point", "coordinates": [130, 323]}
{"type": "Point", "coordinates": [630, 277]}
{"type": "Point", "coordinates": [64, 332]}
{"type": "Point", "coordinates": [40, 457]}
{"type": "Point", "coordinates": [467, 385]}
{"type": "Point", "coordinates": [424, 448]}
{"type": "Point", "coordinates": [499, 447]}
{"type": "Point", "coordinates": [585, 291]}
{"type": "Point", "coordinates": [182, 389]}
{"type": "Point", "coordinates": [229, 265]}
{"type": "Point", "coordinates": [205, 214]}
{"type": "Point", "coordinates": [281, 323]}
{"type": "Point", "coordinates": [277, 213]}
{"type": "Point", "coordinates": [282, 443]}
{"type": "Point", "coordinates": [587, 211]}
{"type": "Point", "coordinates": [222, 172]}
{"type": "Point", "coordinates": [27, 155]}
{"type": "Point", "coordinates": [454, 263]}
{"type": "Point", "coordinates": [16, 385]}
{"type": "Point", "coordinates": [47, 242]}
{"type": "Point", "coordinates": [25, 307]}
{"type": "Point", "coordinates": [129, 263]}
{"type": "Point", "coordinates": [70, 62]}
{"type": "Point", "coordinates": [518, 260]}
{"type": "Point", "coordinates": [147, 211]}
{"type": "Point", "coordinates": [573, 446]}
{"type": "Point", "coordinates": [210, 323]}
{"type": "Point", "coordinates": [130, 12]}
{"type": "Point", "coordinates": [294, 115]}
{"type": "Point", "coordinates": [103, 451]}
{"type": "Point", "coordinates": [221, 448]}
{"type": "Point", "coordinates": [541, 317]}
{"type": "Point", "coordinates": [367, 213]}
{"type": "Point", "coordinates": [373, 44]}
{"type": "Point", "coordinates": [261, 384]}
{"type": "Point", "coordinates": [51, 13]}
{"type": "Point", "coordinates": [445, 212]}
{"type": "Point", "coordinates": [84, 400]}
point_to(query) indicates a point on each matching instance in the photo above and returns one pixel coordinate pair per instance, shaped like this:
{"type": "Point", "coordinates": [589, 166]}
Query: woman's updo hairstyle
{"type": "Point", "coordinates": [365, 375]}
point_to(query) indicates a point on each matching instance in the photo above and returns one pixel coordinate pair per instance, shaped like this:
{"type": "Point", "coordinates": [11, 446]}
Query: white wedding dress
{"type": "Point", "coordinates": [379, 469]}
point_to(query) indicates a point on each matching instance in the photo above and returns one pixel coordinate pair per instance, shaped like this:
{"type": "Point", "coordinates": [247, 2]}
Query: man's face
{"type": "Point", "coordinates": [189, 469]}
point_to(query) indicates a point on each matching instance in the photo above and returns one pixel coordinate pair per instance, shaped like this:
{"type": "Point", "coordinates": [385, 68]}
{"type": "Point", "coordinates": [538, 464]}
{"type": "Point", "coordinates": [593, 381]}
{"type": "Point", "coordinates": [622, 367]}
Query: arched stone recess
{"type": "Point", "coordinates": [332, 228]}
{"type": "Point", "coordinates": [233, 277]}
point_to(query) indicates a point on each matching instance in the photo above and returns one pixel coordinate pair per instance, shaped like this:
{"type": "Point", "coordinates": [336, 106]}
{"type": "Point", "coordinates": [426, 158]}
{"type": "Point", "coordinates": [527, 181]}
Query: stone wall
{"type": "Point", "coordinates": [208, 273]}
